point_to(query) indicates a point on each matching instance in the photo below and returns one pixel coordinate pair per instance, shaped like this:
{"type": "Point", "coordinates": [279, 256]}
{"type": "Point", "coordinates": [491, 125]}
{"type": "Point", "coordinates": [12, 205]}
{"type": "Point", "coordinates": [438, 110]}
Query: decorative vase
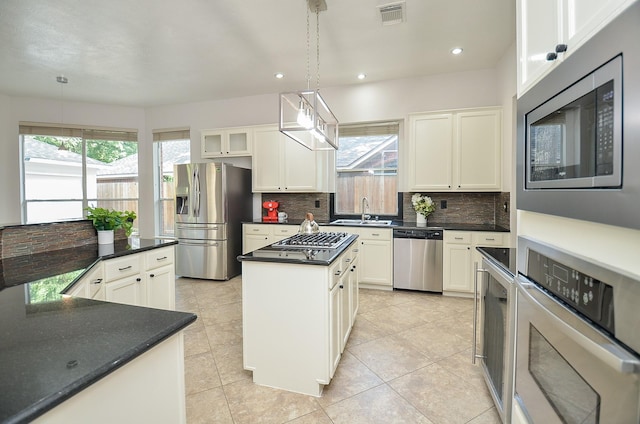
{"type": "Point", "coordinates": [105, 237]}
{"type": "Point", "coordinates": [421, 220]}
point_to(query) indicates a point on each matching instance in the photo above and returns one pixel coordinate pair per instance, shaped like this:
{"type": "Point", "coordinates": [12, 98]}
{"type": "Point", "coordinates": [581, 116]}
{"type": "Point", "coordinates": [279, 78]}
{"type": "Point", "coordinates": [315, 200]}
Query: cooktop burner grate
{"type": "Point", "coordinates": [329, 240]}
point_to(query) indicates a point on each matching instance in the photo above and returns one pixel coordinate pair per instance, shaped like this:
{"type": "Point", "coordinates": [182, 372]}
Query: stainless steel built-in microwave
{"type": "Point", "coordinates": [574, 140]}
{"type": "Point", "coordinates": [578, 131]}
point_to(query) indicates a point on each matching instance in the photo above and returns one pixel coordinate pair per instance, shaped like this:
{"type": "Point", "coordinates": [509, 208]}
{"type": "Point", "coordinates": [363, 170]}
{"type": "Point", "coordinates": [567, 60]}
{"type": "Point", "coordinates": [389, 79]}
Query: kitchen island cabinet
{"type": "Point", "coordinates": [63, 356]}
{"type": "Point", "coordinates": [297, 316]}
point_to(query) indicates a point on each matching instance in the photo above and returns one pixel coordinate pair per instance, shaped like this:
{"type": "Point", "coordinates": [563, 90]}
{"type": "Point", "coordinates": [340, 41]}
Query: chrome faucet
{"type": "Point", "coordinates": [365, 206]}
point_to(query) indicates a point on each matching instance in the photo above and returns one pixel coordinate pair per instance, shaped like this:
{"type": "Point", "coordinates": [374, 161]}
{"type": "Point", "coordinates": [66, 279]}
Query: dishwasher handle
{"type": "Point", "coordinates": [417, 234]}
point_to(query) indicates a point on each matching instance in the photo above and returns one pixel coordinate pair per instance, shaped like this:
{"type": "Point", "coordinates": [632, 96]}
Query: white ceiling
{"type": "Point", "coordinates": [150, 52]}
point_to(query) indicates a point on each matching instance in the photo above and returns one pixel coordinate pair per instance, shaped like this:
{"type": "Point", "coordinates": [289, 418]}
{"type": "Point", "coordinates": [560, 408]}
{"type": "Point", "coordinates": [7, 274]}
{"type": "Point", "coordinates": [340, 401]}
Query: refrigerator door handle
{"type": "Point", "coordinates": [196, 191]}
{"type": "Point", "coordinates": [203, 243]}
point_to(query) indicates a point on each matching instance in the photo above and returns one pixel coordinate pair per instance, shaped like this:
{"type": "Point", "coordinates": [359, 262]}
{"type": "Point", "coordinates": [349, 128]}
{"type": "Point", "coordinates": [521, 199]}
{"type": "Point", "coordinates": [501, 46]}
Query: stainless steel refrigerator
{"type": "Point", "coordinates": [212, 201]}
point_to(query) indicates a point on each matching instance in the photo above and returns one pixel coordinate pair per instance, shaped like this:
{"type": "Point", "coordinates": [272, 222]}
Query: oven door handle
{"type": "Point", "coordinates": [609, 353]}
{"type": "Point", "coordinates": [474, 354]}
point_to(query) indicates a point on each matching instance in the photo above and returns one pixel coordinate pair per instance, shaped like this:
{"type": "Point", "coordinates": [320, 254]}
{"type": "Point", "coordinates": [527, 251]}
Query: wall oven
{"type": "Point", "coordinates": [577, 341]}
{"type": "Point", "coordinates": [579, 134]}
{"type": "Point", "coordinates": [494, 286]}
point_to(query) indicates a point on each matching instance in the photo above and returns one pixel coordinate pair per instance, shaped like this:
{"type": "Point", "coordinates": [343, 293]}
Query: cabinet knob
{"type": "Point", "coordinates": [552, 56]}
{"type": "Point", "coordinates": [561, 48]}
{"type": "Point", "coordinates": [341, 286]}
{"type": "Point", "coordinates": [152, 275]}
{"type": "Point", "coordinates": [138, 279]}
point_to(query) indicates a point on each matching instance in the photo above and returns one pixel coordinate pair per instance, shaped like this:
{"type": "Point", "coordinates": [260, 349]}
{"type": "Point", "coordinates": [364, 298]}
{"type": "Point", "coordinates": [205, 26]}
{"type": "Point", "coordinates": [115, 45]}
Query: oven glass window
{"type": "Point", "coordinates": [495, 329]}
{"type": "Point", "coordinates": [572, 398]}
{"type": "Point", "coordinates": [575, 141]}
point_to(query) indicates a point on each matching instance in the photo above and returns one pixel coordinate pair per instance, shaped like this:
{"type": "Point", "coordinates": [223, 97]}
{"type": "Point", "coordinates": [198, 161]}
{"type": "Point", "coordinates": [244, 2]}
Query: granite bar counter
{"type": "Point", "coordinates": [52, 347]}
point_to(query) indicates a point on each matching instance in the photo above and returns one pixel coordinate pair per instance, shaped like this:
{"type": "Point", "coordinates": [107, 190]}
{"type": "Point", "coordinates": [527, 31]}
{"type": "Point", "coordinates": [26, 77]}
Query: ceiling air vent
{"type": "Point", "coordinates": [392, 13]}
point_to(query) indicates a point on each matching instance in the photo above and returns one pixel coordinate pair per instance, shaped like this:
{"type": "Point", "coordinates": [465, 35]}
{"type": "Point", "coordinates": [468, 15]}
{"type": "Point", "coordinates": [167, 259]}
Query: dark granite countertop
{"type": "Point", "coordinates": [319, 256]}
{"type": "Point", "coordinates": [52, 347]}
{"type": "Point", "coordinates": [457, 226]}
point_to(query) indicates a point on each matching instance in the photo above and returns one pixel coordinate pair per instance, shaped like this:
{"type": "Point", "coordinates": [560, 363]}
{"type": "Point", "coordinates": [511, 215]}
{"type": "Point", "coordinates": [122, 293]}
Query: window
{"type": "Point", "coordinates": [367, 166]}
{"type": "Point", "coordinates": [66, 169]}
{"type": "Point", "coordinates": [172, 147]}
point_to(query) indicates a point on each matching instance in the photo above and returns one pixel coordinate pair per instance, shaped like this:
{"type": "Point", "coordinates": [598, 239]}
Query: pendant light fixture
{"type": "Point", "coordinates": [304, 115]}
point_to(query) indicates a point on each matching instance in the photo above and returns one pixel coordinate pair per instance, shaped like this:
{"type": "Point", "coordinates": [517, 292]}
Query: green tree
{"type": "Point", "coordinates": [103, 150]}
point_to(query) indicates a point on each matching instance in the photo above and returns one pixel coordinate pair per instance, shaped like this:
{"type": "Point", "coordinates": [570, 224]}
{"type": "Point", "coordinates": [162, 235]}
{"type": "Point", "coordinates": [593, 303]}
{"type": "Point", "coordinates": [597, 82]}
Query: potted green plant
{"type": "Point", "coordinates": [423, 205]}
{"type": "Point", "coordinates": [106, 221]}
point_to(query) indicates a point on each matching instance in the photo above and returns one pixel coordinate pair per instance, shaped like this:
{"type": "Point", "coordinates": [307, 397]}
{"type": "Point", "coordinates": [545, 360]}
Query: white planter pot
{"type": "Point", "coordinates": [105, 237]}
{"type": "Point", "coordinates": [421, 220]}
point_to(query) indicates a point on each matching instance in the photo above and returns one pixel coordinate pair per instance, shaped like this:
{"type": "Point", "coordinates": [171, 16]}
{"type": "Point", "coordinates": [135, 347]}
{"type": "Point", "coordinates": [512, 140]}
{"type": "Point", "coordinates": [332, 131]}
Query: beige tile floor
{"type": "Point", "coordinates": [407, 361]}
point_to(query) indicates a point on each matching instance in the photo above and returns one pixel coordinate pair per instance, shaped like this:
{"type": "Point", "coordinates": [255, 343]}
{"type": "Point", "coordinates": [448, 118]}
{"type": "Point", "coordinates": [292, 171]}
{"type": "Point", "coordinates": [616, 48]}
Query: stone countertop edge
{"type": "Point", "coordinates": [321, 262]}
{"type": "Point", "coordinates": [47, 403]}
{"type": "Point", "coordinates": [453, 226]}
{"type": "Point", "coordinates": [157, 244]}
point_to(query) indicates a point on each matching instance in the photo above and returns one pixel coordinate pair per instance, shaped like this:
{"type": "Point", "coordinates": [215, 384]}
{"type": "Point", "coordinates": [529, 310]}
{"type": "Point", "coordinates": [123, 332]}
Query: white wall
{"type": "Point", "coordinates": [16, 109]}
{"type": "Point", "coordinates": [356, 103]}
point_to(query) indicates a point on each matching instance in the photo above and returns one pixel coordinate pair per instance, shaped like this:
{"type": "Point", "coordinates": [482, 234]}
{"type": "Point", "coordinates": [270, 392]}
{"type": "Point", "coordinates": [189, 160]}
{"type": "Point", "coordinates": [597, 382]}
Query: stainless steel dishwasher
{"type": "Point", "coordinates": [417, 259]}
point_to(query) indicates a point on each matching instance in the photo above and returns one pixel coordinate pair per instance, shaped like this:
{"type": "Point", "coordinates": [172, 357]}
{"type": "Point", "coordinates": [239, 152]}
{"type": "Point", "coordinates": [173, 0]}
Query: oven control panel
{"type": "Point", "coordinates": [589, 296]}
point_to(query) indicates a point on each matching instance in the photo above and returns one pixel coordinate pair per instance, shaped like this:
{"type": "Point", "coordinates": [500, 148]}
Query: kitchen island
{"type": "Point", "coordinates": [298, 307]}
{"type": "Point", "coordinates": [67, 359]}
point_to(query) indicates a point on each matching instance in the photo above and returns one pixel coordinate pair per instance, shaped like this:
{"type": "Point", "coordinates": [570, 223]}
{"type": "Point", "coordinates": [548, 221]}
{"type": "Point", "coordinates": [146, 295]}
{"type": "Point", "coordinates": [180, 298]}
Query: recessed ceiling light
{"type": "Point", "coordinates": [456, 50]}
{"type": "Point", "coordinates": [279, 75]}
{"type": "Point", "coordinates": [362, 76]}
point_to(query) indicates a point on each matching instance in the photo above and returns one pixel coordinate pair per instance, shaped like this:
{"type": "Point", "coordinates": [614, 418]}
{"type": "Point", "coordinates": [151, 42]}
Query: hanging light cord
{"type": "Point", "coordinates": [308, 50]}
{"type": "Point", "coordinates": [317, 45]}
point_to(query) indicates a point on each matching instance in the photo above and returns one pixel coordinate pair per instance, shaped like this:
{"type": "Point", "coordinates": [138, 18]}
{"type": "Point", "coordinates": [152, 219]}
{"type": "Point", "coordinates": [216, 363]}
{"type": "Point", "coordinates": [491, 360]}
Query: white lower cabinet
{"type": "Point", "coordinates": [141, 279]}
{"type": "Point", "coordinates": [376, 257]}
{"type": "Point", "coordinates": [255, 236]}
{"type": "Point", "coordinates": [460, 254]}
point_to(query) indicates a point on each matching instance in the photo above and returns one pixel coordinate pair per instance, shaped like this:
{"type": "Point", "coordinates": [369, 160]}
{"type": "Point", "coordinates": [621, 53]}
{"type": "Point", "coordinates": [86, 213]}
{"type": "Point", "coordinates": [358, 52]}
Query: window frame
{"type": "Point", "coordinates": [160, 136]}
{"type": "Point", "coordinates": [372, 126]}
{"type": "Point", "coordinates": [85, 134]}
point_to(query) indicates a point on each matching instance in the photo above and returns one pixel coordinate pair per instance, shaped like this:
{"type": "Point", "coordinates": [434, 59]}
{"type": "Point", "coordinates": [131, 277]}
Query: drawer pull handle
{"type": "Point", "coordinates": [125, 268]}
{"type": "Point", "coordinates": [490, 239]}
{"type": "Point", "coordinates": [161, 259]}
{"type": "Point", "coordinates": [341, 286]}
{"type": "Point", "coordinates": [347, 260]}
{"type": "Point", "coordinates": [356, 250]}
{"type": "Point", "coordinates": [138, 279]}
{"type": "Point", "coordinates": [256, 229]}
{"type": "Point", "coordinates": [458, 238]}
{"type": "Point", "coordinates": [375, 234]}
{"type": "Point", "coordinates": [338, 272]}
{"type": "Point", "coordinates": [97, 281]}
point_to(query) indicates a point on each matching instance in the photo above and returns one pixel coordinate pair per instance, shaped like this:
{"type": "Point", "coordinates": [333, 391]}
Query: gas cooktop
{"type": "Point", "coordinates": [327, 240]}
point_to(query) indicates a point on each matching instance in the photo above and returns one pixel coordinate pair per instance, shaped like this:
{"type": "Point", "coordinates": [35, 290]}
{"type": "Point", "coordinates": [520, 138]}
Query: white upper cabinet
{"type": "Point", "coordinates": [479, 153]}
{"type": "Point", "coordinates": [548, 27]}
{"type": "Point", "coordinates": [281, 164]}
{"type": "Point", "coordinates": [459, 150]}
{"type": "Point", "coordinates": [226, 142]}
{"type": "Point", "coordinates": [430, 151]}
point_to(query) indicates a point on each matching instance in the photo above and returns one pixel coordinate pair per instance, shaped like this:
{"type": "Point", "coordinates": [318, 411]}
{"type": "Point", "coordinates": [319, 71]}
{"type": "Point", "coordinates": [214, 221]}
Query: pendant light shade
{"type": "Point", "coordinates": [304, 115]}
{"type": "Point", "coordinates": [306, 118]}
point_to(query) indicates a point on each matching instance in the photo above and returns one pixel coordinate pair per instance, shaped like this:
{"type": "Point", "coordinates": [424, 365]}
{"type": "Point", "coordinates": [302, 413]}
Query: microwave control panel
{"type": "Point", "coordinates": [591, 297]}
{"type": "Point", "coordinates": [604, 129]}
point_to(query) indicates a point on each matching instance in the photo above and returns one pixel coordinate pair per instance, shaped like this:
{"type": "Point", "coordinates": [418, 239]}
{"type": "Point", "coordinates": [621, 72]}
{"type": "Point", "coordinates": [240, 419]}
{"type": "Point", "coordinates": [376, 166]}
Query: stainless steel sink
{"type": "Point", "coordinates": [372, 222]}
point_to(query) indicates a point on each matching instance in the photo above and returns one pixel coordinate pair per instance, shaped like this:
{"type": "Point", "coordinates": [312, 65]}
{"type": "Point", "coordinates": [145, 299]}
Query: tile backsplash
{"type": "Point", "coordinates": [17, 240]}
{"type": "Point", "coordinates": [296, 205]}
{"type": "Point", "coordinates": [469, 208]}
